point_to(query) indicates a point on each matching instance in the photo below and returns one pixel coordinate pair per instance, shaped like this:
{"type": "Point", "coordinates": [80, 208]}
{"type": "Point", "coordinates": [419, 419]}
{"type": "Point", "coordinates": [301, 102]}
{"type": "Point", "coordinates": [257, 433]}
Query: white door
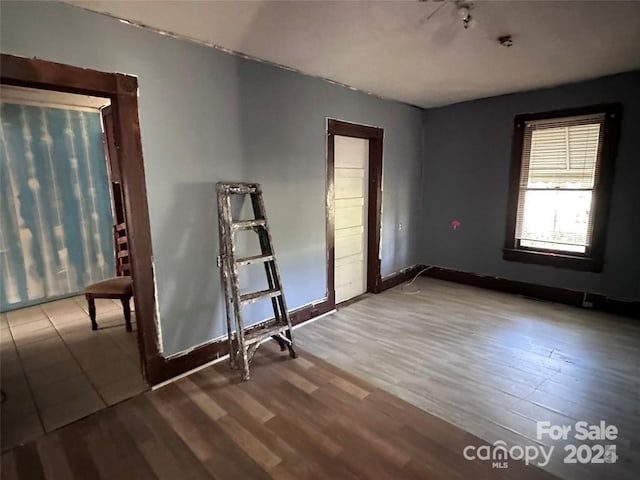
{"type": "Point", "coordinates": [351, 163]}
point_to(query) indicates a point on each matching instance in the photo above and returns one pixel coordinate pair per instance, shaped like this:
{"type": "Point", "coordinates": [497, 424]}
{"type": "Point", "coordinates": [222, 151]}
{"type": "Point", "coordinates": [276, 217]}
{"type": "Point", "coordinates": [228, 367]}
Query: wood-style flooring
{"type": "Point", "coordinates": [296, 419]}
{"type": "Point", "coordinates": [494, 364]}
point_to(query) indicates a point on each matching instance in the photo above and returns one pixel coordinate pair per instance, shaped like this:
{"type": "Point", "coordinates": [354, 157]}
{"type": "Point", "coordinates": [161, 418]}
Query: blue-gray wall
{"type": "Point", "coordinates": [56, 232]}
{"type": "Point", "coordinates": [207, 116]}
{"type": "Point", "coordinates": [467, 150]}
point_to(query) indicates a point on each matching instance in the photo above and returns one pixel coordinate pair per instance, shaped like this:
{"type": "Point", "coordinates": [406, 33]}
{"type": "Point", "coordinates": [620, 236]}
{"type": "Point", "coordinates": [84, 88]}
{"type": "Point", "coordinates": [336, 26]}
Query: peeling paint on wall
{"type": "Point", "coordinates": [56, 221]}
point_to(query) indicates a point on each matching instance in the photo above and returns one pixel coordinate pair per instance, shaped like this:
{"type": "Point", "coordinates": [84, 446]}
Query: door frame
{"type": "Point", "coordinates": [375, 136]}
{"type": "Point", "coordinates": [122, 90]}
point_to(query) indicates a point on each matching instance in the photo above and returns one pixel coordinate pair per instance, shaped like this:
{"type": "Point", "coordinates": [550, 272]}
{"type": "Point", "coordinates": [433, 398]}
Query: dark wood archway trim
{"type": "Point", "coordinates": [374, 207]}
{"type": "Point", "coordinates": [122, 91]}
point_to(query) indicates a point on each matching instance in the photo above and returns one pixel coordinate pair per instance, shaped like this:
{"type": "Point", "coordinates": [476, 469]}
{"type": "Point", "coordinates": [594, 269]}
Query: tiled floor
{"type": "Point", "coordinates": [55, 369]}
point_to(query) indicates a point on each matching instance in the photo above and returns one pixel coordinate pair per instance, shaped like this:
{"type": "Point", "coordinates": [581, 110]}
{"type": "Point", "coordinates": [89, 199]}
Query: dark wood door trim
{"type": "Point", "coordinates": [122, 91]}
{"type": "Point", "coordinates": [331, 218]}
{"type": "Point", "coordinates": [375, 137]}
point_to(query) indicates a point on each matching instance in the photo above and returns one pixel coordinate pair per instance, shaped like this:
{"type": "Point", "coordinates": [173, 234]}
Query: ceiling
{"type": "Point", "coordinates": [412, 51]}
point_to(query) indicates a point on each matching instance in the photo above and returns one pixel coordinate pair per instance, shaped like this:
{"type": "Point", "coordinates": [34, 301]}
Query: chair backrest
{"type": "Point", "coordinates": [121, 242]}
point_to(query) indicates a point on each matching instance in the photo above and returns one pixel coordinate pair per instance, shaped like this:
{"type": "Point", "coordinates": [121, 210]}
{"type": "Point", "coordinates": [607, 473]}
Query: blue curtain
{"type": "Point", "coordinates": [55, 209]}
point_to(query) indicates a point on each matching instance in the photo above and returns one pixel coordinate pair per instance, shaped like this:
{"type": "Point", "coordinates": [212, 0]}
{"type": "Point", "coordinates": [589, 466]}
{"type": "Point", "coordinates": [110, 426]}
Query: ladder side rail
{"type": "Point", "coordinates": [235, 289]}
{"type": "Point", "coordinates": [267, 249]}
{"type": "Point", "coordinates": [223, 235]}
{"type": "Point", "coordinates": [271, 279]}
{"type": "Point", "coordinates": [276, 271]}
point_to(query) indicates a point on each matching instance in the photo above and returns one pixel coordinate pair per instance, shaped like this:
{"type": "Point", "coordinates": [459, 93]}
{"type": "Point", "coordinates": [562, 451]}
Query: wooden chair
{"type": "Point", "coordinates": [120, 287]}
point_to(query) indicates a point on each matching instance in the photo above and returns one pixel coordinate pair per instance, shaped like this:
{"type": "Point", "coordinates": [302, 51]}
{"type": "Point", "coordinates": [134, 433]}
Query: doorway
{"type": "Point", "coordinates": [138, 348]}
{"type": "Point", "coordinates": [354, 201]}
{"type": "Point", "coordinates": [351, 169]}
{"type": "Point", "coordinates": [122, 91]}
{"type": "Point", "coordinates": [57, 235]}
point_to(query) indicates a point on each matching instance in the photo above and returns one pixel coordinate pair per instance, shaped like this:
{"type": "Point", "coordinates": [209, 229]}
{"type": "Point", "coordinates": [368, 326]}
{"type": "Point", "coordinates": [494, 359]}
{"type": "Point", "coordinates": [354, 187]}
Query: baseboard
{"type": "Point", "coordinates": [164, 369]}
{"type": "Point", "coordinates": [402, 276]}
{"type": "Point", "coordinates": [591, 301]}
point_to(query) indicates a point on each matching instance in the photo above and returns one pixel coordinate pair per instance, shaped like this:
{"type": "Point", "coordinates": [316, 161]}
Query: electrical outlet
{"type": "Point", "coordinates": [219, 261]}
{"type": "Point", "coordinates": [400, 227]}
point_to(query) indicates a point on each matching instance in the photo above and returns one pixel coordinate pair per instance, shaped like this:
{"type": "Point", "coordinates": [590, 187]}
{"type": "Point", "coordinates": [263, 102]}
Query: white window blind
{"type": "Point", "coordinates": [560, 162]}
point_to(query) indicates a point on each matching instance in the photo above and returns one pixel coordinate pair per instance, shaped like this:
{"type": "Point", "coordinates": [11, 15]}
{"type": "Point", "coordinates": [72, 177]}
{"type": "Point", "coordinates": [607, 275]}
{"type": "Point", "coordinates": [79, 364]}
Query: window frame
{"type": "Point", "coordinates": [593, 259]}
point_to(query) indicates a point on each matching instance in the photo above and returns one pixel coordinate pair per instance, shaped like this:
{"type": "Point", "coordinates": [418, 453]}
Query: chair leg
{"type": "Point", "coordinates": [92, 312]}
{"type": "Point", "coordinates": [127, 312]}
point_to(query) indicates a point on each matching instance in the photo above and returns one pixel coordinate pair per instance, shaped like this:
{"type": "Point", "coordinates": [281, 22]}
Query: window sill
{"type": "Point", "coordinates": [559, 260]}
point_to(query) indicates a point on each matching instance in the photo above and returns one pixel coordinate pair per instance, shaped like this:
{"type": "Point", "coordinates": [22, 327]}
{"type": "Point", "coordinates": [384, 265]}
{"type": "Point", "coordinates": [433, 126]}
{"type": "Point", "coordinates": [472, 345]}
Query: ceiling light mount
{"type": "Point", "coordinates": [464, 14]}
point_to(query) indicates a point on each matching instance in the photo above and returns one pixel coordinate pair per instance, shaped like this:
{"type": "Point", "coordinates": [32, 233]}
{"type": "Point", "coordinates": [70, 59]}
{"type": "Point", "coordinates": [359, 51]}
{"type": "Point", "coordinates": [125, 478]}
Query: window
{"type": "Point", "coordinates": [560, 184]}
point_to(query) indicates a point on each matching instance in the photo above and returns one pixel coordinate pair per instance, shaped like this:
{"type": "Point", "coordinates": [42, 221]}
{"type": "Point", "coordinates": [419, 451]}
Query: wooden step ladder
{"type": "Point", "coordinates": [243, 343]}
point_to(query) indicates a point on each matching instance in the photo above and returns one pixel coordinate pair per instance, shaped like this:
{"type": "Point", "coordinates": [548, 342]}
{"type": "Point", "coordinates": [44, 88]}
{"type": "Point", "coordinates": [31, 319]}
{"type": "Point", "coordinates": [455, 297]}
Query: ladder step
{"type": "Point", "coordinates": [239, 188]}
{"type": "Point", "coordinates": [248, 224]}
{"type": "Point", "coordinates": [263, 333]}
{"type": "Point", "coordinates": [248, 298]}
{"type": "Point", "coordinates": [242, 190]}
{"type": "Point", "coordinates": [254, 259]}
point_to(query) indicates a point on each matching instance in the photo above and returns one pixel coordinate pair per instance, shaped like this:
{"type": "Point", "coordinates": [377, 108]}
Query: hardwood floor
{"type": "Point", "coordinates": [296, 419]}
{"type": "Point", "coordinates": [494, 364]}
{"type": "Point", "coordinates": [409, 381]}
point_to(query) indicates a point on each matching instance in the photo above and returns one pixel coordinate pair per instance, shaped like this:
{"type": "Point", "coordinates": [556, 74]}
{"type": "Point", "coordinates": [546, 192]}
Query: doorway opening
{"type": "Point", "coordinates": [78, 162]}
{"type": "Point", "coordinates": [354, 203]}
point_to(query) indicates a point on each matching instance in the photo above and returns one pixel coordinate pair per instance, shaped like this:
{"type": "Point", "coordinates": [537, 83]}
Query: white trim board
{"type": "Point", "coordinates": [52, 99]}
